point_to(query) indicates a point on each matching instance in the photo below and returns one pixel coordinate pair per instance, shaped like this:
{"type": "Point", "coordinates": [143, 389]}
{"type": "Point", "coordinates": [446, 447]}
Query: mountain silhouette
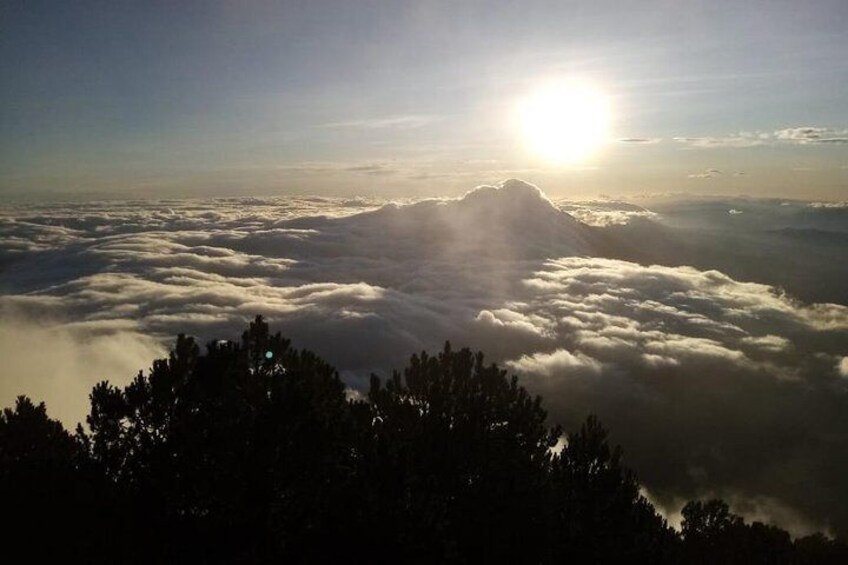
{"type": "Point", "coordinates": [511, 220]}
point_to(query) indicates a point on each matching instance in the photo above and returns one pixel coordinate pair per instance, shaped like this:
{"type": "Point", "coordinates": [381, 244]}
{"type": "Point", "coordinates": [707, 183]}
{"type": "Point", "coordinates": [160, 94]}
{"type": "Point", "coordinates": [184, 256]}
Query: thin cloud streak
{"type": "Point", "coordinates": [411, 121]}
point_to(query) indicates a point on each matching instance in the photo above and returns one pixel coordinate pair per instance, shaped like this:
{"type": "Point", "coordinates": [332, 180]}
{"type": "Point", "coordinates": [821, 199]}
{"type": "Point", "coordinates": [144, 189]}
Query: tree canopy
{"type": "Point", "coordinates": [253, 452]}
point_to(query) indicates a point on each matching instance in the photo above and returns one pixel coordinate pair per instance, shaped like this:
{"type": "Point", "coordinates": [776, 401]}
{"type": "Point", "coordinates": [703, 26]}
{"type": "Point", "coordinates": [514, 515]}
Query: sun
{"type": "Point", "coordinates": [565, 122]}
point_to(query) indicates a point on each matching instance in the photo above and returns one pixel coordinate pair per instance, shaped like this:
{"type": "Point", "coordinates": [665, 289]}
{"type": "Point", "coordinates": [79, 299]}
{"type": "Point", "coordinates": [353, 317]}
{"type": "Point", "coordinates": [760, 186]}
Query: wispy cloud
{"type": "Point", "coordinates": [640, 140]}
{"type": "Point", "coordinates": [744, 139]}
{"type": "Point", "coordinates": [708, 174]}
{"type": "Point", "coordinates": [811, 134]}
{"type": "Point", "coordinates": [328, 167]}
{"type": "Point", "coordinates": [407, 121]}
{"type": "Point", "coordinates": [372, 169]}
{"type": "Point", "coordinates": [803, 135]}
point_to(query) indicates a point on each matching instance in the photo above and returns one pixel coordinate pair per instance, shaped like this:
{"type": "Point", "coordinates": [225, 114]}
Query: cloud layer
{"type": "Point", "coordinates": [714, 385]}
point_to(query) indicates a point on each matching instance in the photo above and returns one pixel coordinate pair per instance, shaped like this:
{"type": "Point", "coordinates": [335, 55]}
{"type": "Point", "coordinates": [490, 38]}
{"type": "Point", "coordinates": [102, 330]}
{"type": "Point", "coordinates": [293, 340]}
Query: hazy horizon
{"type": "Point", "coordinates": [223, 98]}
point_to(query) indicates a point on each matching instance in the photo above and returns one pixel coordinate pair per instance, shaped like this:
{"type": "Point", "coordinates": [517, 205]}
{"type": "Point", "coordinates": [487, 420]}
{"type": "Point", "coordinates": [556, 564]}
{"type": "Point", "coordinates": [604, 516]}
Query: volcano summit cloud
{"type": "Point", "coordinates": [716, 384]}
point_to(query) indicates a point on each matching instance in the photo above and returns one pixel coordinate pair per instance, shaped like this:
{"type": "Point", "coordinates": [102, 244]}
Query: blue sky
{"type": "Point", "coordinates": [395, 98]}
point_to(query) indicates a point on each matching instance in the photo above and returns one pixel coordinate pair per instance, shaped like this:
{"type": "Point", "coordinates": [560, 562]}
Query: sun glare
{"type": "Point", "coordinates": [565, 122]}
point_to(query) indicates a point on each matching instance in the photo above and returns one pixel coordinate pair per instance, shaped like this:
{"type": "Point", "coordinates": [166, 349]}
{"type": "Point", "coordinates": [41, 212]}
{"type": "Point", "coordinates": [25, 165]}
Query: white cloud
{"type": "Point", "coordinates": [843, 367]}
{"type": "Point", "coordinates": [604, 213]}
{"type": "Point", "coordinates": [811, 134]}
{"type": "Point", "coordinates": [548, 364]}
{"type": "Point", "coordinates": [60, 363]}
{"type": "Point", "coordinates": [771, 343]}
{"type": "Point", "coordinates": [506, 318]}
{"type": "Point", "coordinates": [828, 205]}
{"type": "Point", "coordinates": [736, 140]}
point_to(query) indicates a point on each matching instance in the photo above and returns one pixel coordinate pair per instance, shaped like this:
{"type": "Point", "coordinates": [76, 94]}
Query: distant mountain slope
{"type": "Point", "coordinates": [513, 220]}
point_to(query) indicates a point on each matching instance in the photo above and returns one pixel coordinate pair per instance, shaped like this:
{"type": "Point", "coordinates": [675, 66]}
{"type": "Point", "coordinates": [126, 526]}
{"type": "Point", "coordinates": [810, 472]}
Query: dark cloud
{"type": "Point", "coordinates": [718, 387]}
{"type": "Point", "coordinates": [715, 385]}
{"type": "Point", "coordinates": [373, 169]}
{"type": "Point", "coordinates": [798, 246]}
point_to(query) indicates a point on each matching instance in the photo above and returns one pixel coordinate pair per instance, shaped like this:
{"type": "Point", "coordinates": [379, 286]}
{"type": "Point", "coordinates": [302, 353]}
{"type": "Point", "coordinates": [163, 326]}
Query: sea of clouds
{"type": "Point", "coordinates": [710, 335]}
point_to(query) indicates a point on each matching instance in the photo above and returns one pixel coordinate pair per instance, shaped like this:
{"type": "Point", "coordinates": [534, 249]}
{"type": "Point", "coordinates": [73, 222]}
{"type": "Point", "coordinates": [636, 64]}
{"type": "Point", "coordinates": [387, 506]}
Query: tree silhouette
{"type": "Point", "coordinates": [36, 466]}
{"type": "Point", "coordinates": [713, 534]}
{"type": "Point", "coordinates": [229, 448]}
{"type": "Point", "coordinates": [816, 548]}
{"type": "Point", "coordinates": [600, 515]}
{"type": "Point", "coordinates": [251, 452]}
{"type": "Point", "coordinates": [52, 506]}
{"type": "Point", "coordinates": [459, 461]}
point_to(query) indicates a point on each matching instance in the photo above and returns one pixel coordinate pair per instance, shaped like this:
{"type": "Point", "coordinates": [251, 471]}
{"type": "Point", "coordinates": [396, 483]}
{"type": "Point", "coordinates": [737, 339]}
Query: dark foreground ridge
{"type": "Point", "coordinates": [252, 453]}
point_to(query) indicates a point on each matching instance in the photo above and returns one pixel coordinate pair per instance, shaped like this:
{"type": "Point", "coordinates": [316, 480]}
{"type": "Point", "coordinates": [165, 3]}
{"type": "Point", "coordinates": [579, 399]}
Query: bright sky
{"type": "Point", "coordinates": [413, 98]}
